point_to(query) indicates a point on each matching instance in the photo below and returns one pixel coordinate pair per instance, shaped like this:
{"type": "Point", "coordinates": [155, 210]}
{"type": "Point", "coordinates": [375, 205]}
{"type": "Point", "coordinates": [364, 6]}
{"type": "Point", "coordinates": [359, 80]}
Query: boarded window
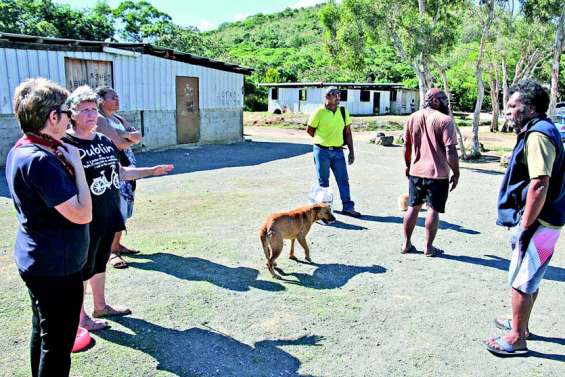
{"type": "Point", "coordinates": [393, 95]}
{"type": "Point", "coordinates": [343, 95]}
{"type": "Point", "coordinates": [303, 95]}
{"type": "Point", "coordinates": [275, 93]}
{"type": "Point", "coordinates": [93, 73]}
{"type": "Point", "coordinates": [365, 96]}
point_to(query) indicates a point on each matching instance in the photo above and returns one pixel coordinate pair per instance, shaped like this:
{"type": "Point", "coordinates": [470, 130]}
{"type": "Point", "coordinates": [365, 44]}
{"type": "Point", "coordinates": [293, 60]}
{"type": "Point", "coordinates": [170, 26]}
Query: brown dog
{"type": "Point", "coordinates": [293, 225]}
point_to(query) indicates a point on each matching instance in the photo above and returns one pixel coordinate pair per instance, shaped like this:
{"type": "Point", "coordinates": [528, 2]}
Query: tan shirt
{"type": "Point", "coordinates": [539, 156]}
{"type": "Point", "coordinates": [429, 132]}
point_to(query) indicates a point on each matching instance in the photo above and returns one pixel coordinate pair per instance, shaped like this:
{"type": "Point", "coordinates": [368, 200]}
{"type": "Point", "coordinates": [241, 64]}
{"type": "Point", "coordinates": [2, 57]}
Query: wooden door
{"type": "Point", "coordinates": [188, 122]}
{"type": "Point", "coordinates": [93, 73]}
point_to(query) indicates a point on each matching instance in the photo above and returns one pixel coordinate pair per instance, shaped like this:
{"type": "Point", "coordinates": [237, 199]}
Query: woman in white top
{"type": "Point", "coordinates": [124, 136]}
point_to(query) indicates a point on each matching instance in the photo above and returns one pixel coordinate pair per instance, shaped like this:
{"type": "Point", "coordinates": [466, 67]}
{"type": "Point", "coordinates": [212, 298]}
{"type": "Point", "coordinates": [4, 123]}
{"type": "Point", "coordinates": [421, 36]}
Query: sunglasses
{"type": "Point", "coordinates": [63, 110]}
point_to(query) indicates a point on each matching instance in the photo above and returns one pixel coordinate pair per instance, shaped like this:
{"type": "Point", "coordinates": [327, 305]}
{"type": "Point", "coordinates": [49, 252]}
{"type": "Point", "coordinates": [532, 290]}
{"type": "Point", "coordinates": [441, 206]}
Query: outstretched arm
{"type": "Point", "coordinates": [131, 173]}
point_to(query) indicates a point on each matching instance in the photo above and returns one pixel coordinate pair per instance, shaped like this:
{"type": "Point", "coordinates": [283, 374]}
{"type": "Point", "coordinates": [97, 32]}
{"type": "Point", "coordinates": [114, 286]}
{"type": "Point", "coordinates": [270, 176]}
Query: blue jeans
{"type": "Point", "coordinates": [334, 159]}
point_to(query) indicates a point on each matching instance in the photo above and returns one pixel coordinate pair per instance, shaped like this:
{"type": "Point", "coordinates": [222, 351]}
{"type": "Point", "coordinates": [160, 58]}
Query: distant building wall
{"type": "Point", "coordinates": [146, 85]}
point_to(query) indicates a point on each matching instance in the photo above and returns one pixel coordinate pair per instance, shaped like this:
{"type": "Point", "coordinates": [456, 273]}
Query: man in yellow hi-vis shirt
{"type": "Point", "coordinates": [330, 128]}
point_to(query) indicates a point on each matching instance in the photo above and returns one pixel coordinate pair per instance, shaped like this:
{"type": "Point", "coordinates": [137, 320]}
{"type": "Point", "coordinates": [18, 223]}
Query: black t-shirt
{"type": "Point", "coordinates": [47, 244]}
{"type": "Point", "coordinates": [99, 158]}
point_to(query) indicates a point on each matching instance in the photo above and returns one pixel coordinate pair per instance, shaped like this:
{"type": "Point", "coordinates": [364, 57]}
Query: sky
{"type": "Point", "coordinates": [209, 14]}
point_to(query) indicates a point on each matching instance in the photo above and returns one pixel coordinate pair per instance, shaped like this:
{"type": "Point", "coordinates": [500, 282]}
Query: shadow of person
{"type": "Point", "coordinates": [330, 275]}
{"type": "Point", "coordinates": [238, 279]}
{"type": "Point", "coordinates": [552, 273]}
{"type": "Point", "coordinates": [421, 223]}
{"type": "Point", "coordinates": [342, 225]}
{"type": "Point", "coordinates": [202, 352]}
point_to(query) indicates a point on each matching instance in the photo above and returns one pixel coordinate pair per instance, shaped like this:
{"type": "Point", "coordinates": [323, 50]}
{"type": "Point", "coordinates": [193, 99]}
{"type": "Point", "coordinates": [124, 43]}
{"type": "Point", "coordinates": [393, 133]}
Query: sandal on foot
{"type": "Point", "coordinates": [124, 250]}
{"type": "Point", "coordinates": [109, 311]}
{"type": "Point", "coordinates": [410, 250]}
{"type": "Point", "coordinates": [506, 325]}
{"type": "Point", "coordinates": [506, 349]}
{"type": "Point", "coordinates": [434, 253]}
{"type": "Point", "coordinates": [94, 325]}
{"type": "Point", "coordinates": [117, 262]}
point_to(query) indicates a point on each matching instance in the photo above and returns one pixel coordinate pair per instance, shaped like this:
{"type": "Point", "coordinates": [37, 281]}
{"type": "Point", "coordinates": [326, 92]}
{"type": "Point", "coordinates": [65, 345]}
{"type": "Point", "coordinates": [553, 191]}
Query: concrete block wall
{"type": "Point", "coordinates": [159, 128]}
{"type": "Point", "coordinates": [10, 132]}
{"type": "Point", "coordinates": [221, 126]}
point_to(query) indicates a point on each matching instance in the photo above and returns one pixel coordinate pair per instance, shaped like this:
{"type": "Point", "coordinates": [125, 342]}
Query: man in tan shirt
{"type": "Point", "coordinates": [429, 153]}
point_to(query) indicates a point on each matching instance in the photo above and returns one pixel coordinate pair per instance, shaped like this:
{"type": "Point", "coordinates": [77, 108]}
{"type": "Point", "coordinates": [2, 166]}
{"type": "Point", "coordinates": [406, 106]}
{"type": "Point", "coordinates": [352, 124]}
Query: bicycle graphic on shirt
{"type": "Point", "coordinates": [101, 184]}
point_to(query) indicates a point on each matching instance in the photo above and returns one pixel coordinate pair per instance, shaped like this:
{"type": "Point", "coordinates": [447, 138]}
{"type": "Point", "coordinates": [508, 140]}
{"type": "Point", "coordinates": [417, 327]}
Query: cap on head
{"type": "Point", "coordinates": [331, 90]}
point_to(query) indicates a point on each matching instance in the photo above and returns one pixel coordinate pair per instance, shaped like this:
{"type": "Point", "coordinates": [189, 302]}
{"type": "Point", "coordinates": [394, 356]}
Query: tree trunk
{"type": "Point", "coordinates": [493, 83]}
{"type": "Point", "coordinates": [475, 146]}
{"type": "Point", "coordinates": [555, 64]}
{"type": "Point", "coordinates": [505, 95]}
{"type": "Point", "coordinates": [443, 76]}
{"type": "Point", "coordinates": [422, 82]}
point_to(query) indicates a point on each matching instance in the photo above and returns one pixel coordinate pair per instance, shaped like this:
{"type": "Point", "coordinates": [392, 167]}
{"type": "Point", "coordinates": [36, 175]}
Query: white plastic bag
{"type": "Point", "coordinates": [319, 194]}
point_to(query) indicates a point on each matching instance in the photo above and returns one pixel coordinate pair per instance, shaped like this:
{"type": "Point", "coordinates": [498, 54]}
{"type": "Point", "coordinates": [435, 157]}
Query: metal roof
{"type": "Point", "coordinates": [340, 85]}
{"type": "Point", "coordinates": [22, 41]}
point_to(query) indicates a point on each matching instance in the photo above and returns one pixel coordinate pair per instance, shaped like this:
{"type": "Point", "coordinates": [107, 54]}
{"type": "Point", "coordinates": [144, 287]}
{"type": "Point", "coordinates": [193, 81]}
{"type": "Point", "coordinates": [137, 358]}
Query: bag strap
{"type": "Point", "coordinates": [342, 111]}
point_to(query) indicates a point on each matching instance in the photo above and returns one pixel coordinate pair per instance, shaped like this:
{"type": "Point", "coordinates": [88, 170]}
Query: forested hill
{"type": "Point", "coordinates": [290, 46]}
{"type": "Point", "coordinates": [294, 45]}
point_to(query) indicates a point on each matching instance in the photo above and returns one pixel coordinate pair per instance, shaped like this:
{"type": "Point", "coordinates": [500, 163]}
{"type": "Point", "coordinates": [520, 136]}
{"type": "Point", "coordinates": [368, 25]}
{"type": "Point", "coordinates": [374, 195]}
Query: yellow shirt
{"type": "Point", "coordinates": [539, 155]}
{"type": "Point", "coordinates": [329, 126]}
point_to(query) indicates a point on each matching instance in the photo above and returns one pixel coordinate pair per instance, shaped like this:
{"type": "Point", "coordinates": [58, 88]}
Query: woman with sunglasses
{"type": "Point", "coordinates": [53, 205]}
{"type": "Point", "coordinates": [103, 173]}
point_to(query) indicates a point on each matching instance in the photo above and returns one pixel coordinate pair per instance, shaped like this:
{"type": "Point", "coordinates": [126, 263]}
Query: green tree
{"type": "Point", "coordinates": [45, 18]}
{"type": "Point", "coordinates": [140, 20]}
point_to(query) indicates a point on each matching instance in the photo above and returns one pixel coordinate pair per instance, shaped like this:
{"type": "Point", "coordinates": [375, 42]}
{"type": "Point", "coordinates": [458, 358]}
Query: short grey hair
{"type": "Point", "coordinates": [81, 94]}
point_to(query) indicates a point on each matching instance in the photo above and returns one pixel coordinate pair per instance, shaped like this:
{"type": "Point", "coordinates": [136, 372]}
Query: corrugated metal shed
{"type": "Point", "coordinates": [144, 82]}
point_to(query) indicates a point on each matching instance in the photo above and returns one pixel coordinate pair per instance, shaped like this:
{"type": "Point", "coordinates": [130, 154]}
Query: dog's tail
{"type": "Point", "coordinates": [264, 236]}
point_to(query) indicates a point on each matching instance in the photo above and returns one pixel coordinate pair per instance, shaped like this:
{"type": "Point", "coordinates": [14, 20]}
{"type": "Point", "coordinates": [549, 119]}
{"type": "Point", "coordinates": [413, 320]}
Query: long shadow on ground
{"type": "Point", "coordinates": [552, 273]}
{"type": "Point", "coordinates": [421, 222]}
{"type": "Point", "coordinates": [238, 279]}
{"type": "Point", "coordinates": [201, 352]}
{"type": "Point", "coordinates": [329, 275]}
{"type": "Point", "coordinates": [209, 157]}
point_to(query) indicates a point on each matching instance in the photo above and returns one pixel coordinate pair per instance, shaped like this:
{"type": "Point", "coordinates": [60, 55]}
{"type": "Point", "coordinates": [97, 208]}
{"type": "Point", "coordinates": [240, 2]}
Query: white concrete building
{"type": "Point", "coordinates": [358, 98]}
{"type": "Point", "coordinates": [172, 97]}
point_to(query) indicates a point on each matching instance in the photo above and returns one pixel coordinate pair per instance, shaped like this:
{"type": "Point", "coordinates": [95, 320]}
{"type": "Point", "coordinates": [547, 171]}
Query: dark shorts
{"type": "Point", "coordinates": [432, 191]}
{"type": "Point", "coordinates": [98, 254]}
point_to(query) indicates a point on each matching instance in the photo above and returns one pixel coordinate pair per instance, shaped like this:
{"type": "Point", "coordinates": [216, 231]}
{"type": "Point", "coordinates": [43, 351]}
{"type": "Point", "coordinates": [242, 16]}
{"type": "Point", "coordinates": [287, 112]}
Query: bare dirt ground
{"type": "Point", "coordinates": [204, 305]}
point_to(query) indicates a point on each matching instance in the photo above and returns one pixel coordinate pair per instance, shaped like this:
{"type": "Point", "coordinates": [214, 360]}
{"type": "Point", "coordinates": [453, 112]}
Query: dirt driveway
{"type": "Point", "coordinates": [204, 305]}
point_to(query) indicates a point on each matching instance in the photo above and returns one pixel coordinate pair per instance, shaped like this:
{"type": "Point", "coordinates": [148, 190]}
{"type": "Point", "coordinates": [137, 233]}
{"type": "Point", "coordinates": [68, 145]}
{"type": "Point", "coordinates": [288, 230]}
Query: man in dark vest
{"type": "Point", "coordinates": [532, 203]}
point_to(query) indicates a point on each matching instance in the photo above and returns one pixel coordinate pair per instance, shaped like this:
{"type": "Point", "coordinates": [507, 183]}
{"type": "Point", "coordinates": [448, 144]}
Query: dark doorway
{"type": "Point", "coordinates": [376, 103]}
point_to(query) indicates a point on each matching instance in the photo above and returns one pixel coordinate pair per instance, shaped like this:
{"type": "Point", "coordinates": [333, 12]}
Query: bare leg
{"type": "Point", "coordinates": [410, 220]}
{"type": "Point", "coordinates": [89, 323]}
{"type": "Point", "coordinates": [522, 304]}
{"type": "Point", "coordinates": [432, 221]}
{"type": "Point", "coordinates": [83, 315]}
{"type": "Point", "coordinates": [116, 242]}
{"type": "Point", "coordinates": [98, 283]}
